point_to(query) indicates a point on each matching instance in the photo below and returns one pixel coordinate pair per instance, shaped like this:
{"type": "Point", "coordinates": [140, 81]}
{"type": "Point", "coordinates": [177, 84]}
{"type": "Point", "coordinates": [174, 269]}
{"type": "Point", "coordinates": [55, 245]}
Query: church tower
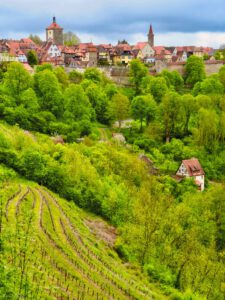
{"type": "Point", "coordinates": [55, 33]}
{"type": "Point", "coordinates": [151, 37]}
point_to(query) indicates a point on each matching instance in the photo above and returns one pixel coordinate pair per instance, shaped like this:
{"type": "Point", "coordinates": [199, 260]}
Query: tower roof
{"type": "Point", "coordinates": [151, 30]}
{"type": "Point", "coordinates": [54, 25]}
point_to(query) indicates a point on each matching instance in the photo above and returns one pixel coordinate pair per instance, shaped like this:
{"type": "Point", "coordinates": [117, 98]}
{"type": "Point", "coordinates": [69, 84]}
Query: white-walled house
{"type": "Point", "coordinates": [54, 51]}
{"type": "Point", "coordinates": [192, 168]}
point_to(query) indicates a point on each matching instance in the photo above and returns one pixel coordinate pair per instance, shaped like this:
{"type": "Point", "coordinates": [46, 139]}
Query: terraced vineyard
{"type": "Point", "coordinates": [55, 255]}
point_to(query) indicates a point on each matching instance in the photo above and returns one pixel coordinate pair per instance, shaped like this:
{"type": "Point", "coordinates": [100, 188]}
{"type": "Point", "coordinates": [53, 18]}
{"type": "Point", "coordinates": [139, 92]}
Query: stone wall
{"type": "Point", "coordinates": [211, 67]}
{"type": "Point", "coordinates": [120, 75]}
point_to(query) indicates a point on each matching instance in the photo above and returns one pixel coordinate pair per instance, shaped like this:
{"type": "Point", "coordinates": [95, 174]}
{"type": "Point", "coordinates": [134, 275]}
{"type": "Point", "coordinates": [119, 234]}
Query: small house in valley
{"type": "Point", "coordinates": [192, 168]}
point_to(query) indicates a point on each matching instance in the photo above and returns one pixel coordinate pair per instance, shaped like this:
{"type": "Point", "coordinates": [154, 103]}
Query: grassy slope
{"type": "Point", "coordinates": [48, 242]}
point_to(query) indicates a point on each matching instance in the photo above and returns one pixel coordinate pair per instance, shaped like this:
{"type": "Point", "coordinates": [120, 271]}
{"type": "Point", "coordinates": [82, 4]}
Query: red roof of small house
{"type": "Point", "coordinates": [124, 47]}
{"type": "Point", "coordinates": [159, 49]}
{"type": "Point", "coordinates": [140, 45]}
{"type": "Point", "coordinates": [105, 46]}
{"type": "Point", "coordinates": [27, 41]}
{"type": "Point", "coordinates": [193, 167]}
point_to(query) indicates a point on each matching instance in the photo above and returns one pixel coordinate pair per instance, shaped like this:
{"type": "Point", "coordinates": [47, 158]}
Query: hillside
{"type": "Point", "coordinates": [51, 251]}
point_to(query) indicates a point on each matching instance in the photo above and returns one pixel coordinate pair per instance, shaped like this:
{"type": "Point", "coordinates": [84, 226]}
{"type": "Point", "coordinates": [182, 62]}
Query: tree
{"type": "Point", "coordinates": [77, 105]}
{"type": "Point", "coordinates": [120, 107]}
{"type": "Point", "coordinates": [137, 72]}
{"type": "Point", "coordinates": [157, 86]}
{"type": "Point", "coordinates": [188, 108]}
{"type": "Point", "coordinates": [222, 75]}
{"type": "Point", "coordinates": [122, 42]}
{"type": "Point", "coordinates": [143, 108]}
{"type": "Point", "coordinates": [32, 58]}
{"type": "Point", "coordinates": [93, 74]}
{"type": "Point", "coordinates": [70, 39]}
{"type": "Point", "coordinates": [17, 79]}
{"type": "Point", "coordinates": [170, 113]}
{"type": "Point", "coordinates": [210, 85]}
{"type": "Point", "coordinates": [194, 70]}
{"type": "Point", "coordinates": [36, 39]}
{"type": "Point", "coordinates": [29, 100]}
{"type": "Point", "coordinates": [49, 92]}
{"type": "Point", "coordinates": [207, 133]}
{"type": "Point", "coordinates": [217, 55]}
{"type": "Point", "coordinates": [173, 79]}
{"type": "Point", "coordinates": [62, 77]}
{"type": "Point", "coordinates": [99, 102]}
{"type": "Point", "coordinates": [75, 76]}
{"type": "Point", "coordinates": [44, 67]}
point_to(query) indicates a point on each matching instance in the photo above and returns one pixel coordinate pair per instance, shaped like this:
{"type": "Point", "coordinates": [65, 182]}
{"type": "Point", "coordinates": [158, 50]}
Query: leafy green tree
{"type": "Point", "coordinates": [143, 108]}
{"type": "Point", "coordinates": [137, 72]}
{"type": "Point", "coordinates": [70, 39]}
{"type": "Point", "coordinates": [99, 102]}
{"type": "Point", "coordinates": [17, 79]}
{"type": "Point", "coordinates": [204, 101]}
{"type": "Point", "coordinates": [77, 105]}
{"type": "Point", "coordinates": [93, 74]}
{"type": "Point", "coordinates": [111, 89]}
{"type": "Point", "coordinates": [171, 113]}
{"type": "Point", "coordinates": [178, 80]}
{"type": "Point", "coordinates": [120, 107]}
{"type": "Point", "coordinates": [32, 58]}
{"type": "Point", "coordinates": [36, 39]}
{"type": "Point", "coordinates": [62, 77]}
{"type": "Point", "coordinates": [48, 92]}
{"type": "Point", "coordinates": [75, 77]}
{"type": "Point", "coordinates": [29, 100]}
{"type": "Point", "coordinates": [188, 108]}
{"type": "Point", "coordinates": [207, 133]}
{"type": "Point", "coordinates": [217, 55]}
{"type": "Point", "coordinates": [222, 75]}
{"type": "Point", "coordinates": [3, 69]}
{"type": "Point", "coordinates": [173, 79]}
{"type": "Point", "coordinates": [157, 86]}
{"type": "Point", "coordinates": [210, 85]}
{"type": "Point", "coordinates": [194, 70]}
{"type": "Point", "coordinates": [44, 67]}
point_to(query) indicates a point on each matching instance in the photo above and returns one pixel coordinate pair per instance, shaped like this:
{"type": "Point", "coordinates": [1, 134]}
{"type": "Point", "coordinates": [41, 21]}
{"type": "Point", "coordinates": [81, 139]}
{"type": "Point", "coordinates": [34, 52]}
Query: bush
{"type": "Point", "coordinates": [161, 274]}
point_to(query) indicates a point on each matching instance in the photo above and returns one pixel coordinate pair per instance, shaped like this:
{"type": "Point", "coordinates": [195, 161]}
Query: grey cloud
{"type": "Point", "coordinates": [112, 17]}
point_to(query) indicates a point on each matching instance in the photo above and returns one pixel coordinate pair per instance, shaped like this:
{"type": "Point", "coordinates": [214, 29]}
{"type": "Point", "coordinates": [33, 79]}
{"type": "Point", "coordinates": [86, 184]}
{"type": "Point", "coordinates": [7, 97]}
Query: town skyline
{"type": "Point", "coordinates": [191, 24]}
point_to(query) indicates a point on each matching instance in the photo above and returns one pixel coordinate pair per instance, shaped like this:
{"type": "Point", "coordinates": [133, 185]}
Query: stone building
{"type": "Point", "coordinates": [55, 33]}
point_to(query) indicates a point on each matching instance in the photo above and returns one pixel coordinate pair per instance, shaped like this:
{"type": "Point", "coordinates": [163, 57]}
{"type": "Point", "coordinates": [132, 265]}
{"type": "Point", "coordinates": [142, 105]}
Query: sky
{"type": "Point", "coordinates": [175, 22]}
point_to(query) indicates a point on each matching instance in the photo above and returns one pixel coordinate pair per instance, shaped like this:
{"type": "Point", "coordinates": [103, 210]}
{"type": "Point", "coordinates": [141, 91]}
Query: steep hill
{"type": "Point", "coordinates": [52, 250]}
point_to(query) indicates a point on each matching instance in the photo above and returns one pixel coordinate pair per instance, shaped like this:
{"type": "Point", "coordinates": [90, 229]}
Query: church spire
{"type": "Point", "coordinates": [151, 36]}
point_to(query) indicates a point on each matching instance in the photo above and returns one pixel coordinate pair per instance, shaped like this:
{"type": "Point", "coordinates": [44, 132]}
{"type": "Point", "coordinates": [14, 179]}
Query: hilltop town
{"type": "Point", "coordinates": [84, 55]}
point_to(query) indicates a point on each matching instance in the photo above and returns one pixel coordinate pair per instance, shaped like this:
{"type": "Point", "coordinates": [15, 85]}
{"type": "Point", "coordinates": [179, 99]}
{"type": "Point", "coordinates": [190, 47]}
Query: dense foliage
{"type": "Point", "coordinates": [174, 232]}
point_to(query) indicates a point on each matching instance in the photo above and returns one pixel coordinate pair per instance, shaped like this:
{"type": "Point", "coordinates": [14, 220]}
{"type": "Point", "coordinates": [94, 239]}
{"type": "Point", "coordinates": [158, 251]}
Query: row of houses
{"type": "Point", "coordinates": [53, 51]}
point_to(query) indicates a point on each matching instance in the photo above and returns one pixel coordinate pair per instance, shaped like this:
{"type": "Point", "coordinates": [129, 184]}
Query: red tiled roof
{"type": "Point", "coordinates": [193, 167]}
{"type": "Point", "coordinates": [124, 47]}
{"type": "Point", "coordinates": [54, 25]}
{"type": "Point", "coordinates": [140, 45]}
{"type": "Point", "coordinates": [27, 41]}
{"type": "Point", "coordinates": [159, 49]}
